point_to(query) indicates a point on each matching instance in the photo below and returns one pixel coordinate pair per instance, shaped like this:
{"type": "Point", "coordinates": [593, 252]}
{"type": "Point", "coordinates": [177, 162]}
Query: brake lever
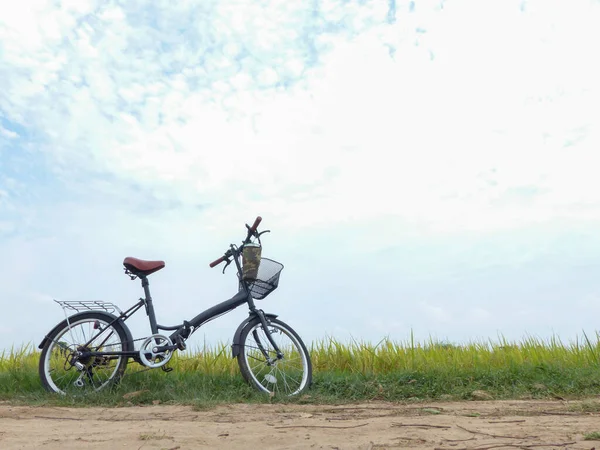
{"type": "Point", "coordinates": [259, 234]}
{"type": "Point", "coordinates": [228, 262]}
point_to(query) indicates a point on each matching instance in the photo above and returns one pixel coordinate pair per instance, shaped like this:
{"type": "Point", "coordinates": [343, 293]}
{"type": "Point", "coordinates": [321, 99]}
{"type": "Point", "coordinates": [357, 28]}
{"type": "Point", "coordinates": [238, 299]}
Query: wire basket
{"type": "Point", "coordinates": [267, 279]}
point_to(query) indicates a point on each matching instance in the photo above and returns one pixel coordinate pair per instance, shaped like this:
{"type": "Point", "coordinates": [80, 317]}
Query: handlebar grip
{"type": "Point", "coordinates": [255, 224]}
{"type": "Point", "coordinates": [216, 262]}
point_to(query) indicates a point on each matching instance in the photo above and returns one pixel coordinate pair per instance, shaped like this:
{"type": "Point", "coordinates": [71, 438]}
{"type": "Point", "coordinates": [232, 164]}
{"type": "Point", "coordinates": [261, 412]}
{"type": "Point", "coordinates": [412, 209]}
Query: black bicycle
{"type": "Point", "coordinates": [90, 349]}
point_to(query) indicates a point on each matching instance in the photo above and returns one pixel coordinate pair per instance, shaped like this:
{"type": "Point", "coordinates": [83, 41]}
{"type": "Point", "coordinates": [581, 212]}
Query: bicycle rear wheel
{"type": "Point", "coordinates": [259, 365]}
{"type": "Point", "coordinates": [63, 372]}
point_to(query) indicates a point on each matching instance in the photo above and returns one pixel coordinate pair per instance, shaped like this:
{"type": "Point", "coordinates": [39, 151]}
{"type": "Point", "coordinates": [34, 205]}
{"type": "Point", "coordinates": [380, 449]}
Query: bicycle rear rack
{"type": "Point", "coordinates": [92, 305]}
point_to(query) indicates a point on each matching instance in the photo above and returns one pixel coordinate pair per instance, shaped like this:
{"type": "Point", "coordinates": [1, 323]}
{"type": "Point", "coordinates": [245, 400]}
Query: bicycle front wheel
{"type": "Point", "coordinates": [290, 375]}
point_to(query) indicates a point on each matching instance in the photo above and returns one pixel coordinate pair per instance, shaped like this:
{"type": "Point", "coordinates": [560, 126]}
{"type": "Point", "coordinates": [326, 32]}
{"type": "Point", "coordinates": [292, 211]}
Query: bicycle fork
{"type": "Point", "coordinates": [265, 325]}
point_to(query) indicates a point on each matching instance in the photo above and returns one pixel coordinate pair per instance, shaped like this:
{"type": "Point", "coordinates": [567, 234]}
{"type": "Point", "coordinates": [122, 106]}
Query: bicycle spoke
{"type": "Point", "coordinates": [287, 375]}
{"type": "Point", "coordinates": [97, 371]}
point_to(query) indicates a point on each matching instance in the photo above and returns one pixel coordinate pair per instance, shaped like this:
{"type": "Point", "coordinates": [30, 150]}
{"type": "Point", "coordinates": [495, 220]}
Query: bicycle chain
{"type": "Point", "coordinates": [128, 374]}
{"type": "Point", "coordinates": [146, 369]}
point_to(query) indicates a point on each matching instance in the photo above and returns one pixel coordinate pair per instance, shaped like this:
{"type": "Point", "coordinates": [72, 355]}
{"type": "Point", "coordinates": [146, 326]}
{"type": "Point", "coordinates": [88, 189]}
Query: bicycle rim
{"type": "Point", "coordinates": [98, 372]}
{"type": "Point", "coordinates": [288, 376]}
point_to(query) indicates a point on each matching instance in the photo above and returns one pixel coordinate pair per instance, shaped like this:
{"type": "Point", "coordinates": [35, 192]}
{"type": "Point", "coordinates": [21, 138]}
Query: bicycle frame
{"type": "Point", "coordinates": [182, 332]}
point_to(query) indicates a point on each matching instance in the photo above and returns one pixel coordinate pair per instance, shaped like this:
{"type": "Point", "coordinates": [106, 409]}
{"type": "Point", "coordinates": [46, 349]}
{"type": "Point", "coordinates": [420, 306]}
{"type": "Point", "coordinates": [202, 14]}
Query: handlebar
{"type": "Point", "coordinates": [255, 225]}
{"type": "Point", "coordinates": [251, 232]}
{"type": "Point", "coordinates": [216, 262]}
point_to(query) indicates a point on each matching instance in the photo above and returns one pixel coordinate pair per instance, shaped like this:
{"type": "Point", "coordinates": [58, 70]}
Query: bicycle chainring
{"type": "Point", "coordinates": [152, 358]}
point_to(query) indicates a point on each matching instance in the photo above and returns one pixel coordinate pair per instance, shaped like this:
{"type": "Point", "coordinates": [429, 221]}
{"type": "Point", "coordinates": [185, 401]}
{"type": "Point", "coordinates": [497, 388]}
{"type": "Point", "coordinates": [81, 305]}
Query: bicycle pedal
{"type": "Point", "coordinates": [181, 343]}
{"type": "Point", "coordinates": [167, 369]}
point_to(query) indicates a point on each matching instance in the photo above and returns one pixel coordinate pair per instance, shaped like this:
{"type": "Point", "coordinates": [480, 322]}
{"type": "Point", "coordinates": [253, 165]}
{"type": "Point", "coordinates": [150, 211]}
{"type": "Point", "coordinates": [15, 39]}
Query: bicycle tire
{"type": "Point", "coordinates": [63, 328]}
{"type": "Point", "coordinates": [248, 373]}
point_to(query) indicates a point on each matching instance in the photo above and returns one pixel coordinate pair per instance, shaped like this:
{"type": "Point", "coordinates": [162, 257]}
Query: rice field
{"type": "Point", "coordinates": [350, 371]}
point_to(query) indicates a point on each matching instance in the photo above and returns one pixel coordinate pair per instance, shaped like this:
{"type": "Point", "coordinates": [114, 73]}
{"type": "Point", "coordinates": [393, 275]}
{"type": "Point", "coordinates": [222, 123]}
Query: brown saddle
{"type": "Point", "coordinates": [141, 266]}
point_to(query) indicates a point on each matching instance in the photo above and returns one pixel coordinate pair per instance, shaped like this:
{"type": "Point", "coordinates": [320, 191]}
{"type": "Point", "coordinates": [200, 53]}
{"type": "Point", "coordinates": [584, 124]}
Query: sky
{"type": "Point", "coordinates": [425, 167]}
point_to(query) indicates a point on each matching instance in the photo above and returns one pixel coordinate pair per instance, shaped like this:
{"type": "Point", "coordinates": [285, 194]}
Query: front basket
{"type": "Point", "coordinates": [267, 279]}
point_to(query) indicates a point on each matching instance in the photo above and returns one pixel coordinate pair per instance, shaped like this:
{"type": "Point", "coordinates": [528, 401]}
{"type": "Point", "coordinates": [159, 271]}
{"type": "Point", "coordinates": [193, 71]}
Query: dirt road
{"type": "Point", "coordinates": [460, 425]}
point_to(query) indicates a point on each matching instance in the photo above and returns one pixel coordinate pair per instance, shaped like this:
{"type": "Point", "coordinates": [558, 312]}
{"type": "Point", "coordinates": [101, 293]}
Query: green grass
{"type": "Point", "coordinates": [358, 371]}
{"type": "Point", "coordinates": [595, 436]}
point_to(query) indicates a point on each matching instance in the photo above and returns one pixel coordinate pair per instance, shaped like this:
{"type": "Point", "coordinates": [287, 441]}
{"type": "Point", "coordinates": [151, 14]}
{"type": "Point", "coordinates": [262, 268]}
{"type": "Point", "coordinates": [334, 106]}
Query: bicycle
{"type": "Point", "coordinates": [91, 348]}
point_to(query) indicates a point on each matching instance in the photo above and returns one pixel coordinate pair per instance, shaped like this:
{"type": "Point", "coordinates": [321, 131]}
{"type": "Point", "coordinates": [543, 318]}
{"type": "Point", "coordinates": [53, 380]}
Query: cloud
{"type": "Point", "coordinates": [151, 101]}
{"type": "Point", "coordinates": [9, 134]}
{"type": "Point", "coordinates": [399, 151]}
{"type": "Point", "coordinates": [435, 313]}
{"type": "Point", "coordinates": [479, 315]}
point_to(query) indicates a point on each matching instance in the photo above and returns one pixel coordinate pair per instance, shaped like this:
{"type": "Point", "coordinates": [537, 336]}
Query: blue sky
{"type": "Point", "coordinates": [423, 165]}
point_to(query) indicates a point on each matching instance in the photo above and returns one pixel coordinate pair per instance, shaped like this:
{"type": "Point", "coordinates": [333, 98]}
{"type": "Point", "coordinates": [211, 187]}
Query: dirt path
{"type": "Point", "coordinates": [460, 425]}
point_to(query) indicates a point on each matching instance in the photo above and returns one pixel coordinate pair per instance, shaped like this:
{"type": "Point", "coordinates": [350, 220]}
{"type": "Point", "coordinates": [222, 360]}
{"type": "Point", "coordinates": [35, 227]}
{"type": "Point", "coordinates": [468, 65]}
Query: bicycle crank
{"type": "Point", "coordinates": [150, 353]}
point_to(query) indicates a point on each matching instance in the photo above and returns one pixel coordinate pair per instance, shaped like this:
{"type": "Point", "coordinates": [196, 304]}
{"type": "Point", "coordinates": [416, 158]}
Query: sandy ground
{"type": "Point", "coordinates": [461, 425]}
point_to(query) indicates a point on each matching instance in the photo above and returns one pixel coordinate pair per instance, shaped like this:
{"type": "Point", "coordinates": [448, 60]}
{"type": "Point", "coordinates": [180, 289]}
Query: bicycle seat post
{"type": "Point", "coordinates": [149, 305]}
